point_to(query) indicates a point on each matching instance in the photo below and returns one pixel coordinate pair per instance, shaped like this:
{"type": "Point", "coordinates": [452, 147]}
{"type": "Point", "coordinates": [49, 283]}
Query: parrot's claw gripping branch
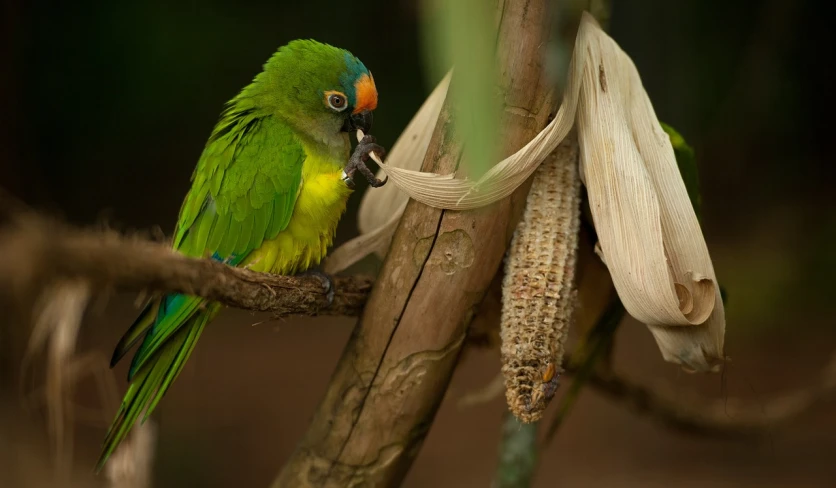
{"type": "Point", "coordinates": [367, 147]}
{"type": "Point", "coordinates": [327, 283]}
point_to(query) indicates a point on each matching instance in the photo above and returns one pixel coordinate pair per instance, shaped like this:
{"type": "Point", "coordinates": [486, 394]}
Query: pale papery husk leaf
{"type": "Point", "coordinates": [649, 235]}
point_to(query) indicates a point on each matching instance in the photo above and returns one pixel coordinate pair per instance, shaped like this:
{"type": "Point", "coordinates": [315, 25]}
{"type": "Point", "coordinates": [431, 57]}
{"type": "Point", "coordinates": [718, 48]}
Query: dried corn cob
{"type": "Point", "coordinates": [537, 292]}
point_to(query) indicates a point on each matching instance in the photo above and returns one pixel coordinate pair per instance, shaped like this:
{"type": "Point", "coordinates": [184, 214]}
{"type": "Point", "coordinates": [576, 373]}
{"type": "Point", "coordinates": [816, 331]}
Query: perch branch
{"type": "Point", "coordinates": [36, 251]}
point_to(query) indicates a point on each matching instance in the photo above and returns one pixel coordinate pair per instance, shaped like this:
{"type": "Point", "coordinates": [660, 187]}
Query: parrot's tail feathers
{"type": "Point", "coordinates": [175, 311]}
{"type": "Point", "coordinates": [194, 330]}
{"type": "Point", "coordinates": [137, 331]}
{"type": "Point", "coordinates": [151, 382]}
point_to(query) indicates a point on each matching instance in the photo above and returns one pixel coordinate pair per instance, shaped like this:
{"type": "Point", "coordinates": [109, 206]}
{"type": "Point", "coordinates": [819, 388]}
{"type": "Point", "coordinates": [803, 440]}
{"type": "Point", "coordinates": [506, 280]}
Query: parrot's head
{"type": "Point", "coordinates": [322, 90]}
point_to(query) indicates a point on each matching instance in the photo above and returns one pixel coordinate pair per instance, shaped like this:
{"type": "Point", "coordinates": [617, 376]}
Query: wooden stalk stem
{"type": "Point", "coordinates": [396, 367]}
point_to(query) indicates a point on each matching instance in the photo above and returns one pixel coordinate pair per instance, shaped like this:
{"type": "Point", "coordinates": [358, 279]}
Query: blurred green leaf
{"type": "Point", "coordinates": [687, 163]}
{"type": "Point", "coordinates": [461, 34]}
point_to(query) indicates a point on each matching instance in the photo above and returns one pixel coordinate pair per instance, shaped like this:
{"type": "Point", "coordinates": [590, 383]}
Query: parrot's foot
{"type": "Point", "coordinates": [357, 162]}
{"type": "Point", "coordinates": [326, 280]}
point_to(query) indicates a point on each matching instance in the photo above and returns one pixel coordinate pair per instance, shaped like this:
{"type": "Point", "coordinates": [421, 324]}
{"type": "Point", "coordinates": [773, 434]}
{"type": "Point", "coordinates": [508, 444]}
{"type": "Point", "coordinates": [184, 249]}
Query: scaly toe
{"type": "Point", "coordinates": [327, 283]}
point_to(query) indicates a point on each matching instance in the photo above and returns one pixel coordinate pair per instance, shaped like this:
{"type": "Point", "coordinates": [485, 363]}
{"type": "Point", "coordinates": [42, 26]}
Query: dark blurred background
{"type": "Point", "coordinates": [105, 107]}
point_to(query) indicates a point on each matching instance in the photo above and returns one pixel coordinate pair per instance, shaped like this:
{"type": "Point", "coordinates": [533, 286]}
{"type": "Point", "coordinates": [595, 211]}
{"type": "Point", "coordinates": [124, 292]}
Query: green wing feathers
{"type": "Point", "coordinates": [243, 191]}
{"type": "Point", "coordinates": [250, 171]}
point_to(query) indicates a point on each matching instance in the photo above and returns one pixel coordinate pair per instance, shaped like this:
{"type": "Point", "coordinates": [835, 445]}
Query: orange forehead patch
{"type": "Point", "coordinates": [366, 94]}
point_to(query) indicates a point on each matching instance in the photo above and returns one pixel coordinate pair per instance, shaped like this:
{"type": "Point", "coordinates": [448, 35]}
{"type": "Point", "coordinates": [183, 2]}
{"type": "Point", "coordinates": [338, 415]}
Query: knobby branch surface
{"type": "Point", "coordinates": [392, 375]}
{"type": "Point", "coordinates": [36, 251]}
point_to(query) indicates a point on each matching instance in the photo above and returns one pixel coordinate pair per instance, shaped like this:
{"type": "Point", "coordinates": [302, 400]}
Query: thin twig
{"type": "Point", "coordinates": [716, 418]}
{"type": "Point", "coordinates": [693, 413]}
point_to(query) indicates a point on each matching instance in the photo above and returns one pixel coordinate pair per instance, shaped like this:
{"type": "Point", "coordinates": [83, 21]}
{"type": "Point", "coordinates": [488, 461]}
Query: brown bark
{"type": "Point", "coordinates": [395, 369]}
{"type": "Point", "coordinates": [35, 251]}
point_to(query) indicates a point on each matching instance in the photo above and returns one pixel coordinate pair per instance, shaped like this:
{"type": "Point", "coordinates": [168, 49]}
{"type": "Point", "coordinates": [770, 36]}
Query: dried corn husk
{"type": "Point", "coordinates": [649, 236]}
{"type": "Point", "coordinates": [537, 292]}
{"type": "Point", "coordinates": [647, 229]}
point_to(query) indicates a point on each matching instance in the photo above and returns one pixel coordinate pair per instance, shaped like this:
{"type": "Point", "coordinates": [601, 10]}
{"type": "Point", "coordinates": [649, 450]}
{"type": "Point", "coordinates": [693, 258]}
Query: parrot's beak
{"type": "Point", "coordinates": [362, 120]}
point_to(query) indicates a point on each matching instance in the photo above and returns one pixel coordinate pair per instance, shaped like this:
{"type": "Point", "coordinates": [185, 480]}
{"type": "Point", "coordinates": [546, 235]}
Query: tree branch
{"type": "Point", "coordinates": [692, 413]}
{"type": "Point", "coordinates": [35, 251]}
{"type": "Point", "coordinates": [715, 418]}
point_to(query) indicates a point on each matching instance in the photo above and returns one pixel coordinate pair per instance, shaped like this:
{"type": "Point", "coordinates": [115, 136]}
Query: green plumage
{"type": "Point", "coordinates": [243, 194]}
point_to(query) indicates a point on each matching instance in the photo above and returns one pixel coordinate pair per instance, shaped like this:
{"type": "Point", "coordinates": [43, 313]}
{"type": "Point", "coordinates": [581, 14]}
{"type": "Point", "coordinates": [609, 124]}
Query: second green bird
{"type": "Point", "coordinates": [267, 194]}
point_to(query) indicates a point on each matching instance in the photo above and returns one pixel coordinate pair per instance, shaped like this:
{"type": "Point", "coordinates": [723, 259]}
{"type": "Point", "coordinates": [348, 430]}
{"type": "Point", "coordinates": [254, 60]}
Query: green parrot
{"type": "Point", "coordinates": [267, 194]}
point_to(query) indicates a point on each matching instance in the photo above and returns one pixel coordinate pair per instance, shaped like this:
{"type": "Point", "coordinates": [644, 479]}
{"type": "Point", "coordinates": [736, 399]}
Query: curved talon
{"type": "Point", "coordinates": [378, 183]}
{"type": "Point", "coordinates": [357, 162]}
{"type": "Point", "coordinates": [365, 171]}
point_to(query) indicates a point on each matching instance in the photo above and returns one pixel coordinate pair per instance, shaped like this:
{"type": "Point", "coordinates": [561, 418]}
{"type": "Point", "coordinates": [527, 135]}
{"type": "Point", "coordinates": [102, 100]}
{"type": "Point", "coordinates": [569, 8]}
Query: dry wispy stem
{"type": "Point", "coordinates": [130, 466]}
{"type": "Point", "coordinates": [484, 394]}
{"type": "Point", "coordinates": [60, 309]}
{"type": "Point", "coordinates": [36, 252]}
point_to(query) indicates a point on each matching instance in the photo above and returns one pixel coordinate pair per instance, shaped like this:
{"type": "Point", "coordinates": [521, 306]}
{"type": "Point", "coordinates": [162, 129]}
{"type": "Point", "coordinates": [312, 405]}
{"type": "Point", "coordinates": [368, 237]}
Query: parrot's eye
{"type": "Point", "coordinates": [336, 101]}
